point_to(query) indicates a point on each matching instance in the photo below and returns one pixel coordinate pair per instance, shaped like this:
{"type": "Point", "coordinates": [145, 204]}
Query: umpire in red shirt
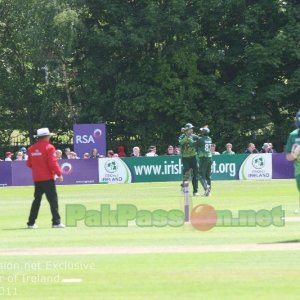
{"type": "Point", "coordinates": [42, 160]}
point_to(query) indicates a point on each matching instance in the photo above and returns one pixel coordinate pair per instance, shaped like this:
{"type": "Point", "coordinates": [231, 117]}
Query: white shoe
{"type": "Point", "coordinates": [204, 194]}
{"type": "Point", "coordinates": [208, 191]}
{"type": "Point", "coordinates": [34, 226]}
{"type": "Point", "coordinates": [61, 225]}
{"type": "Point", "coordinates": [196, 194]}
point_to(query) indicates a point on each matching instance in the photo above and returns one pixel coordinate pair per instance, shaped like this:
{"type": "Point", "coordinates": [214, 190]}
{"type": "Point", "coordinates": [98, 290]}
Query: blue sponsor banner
{"type": "Point", "coordinates": [79, 171]}
{"type": "Point", "coordinates": [21, 174]}
{"type": "Point", "coordinates": [5, 173]}
{"type": "Point", "coordinates": [88, 137]}
{"type": "Point", "coordinates": [75, 171]}
{"type": "Point", "coordinates": [282, 168]}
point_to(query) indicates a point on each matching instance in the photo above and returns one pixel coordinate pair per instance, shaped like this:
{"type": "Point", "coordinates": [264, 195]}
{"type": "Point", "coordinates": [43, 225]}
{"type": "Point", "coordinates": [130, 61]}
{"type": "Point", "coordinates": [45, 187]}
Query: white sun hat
{"type": "Point", "coordinates": [43, 132]}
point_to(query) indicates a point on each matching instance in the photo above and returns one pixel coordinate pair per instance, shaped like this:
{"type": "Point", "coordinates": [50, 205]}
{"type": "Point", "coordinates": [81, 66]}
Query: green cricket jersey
{"type": "Point", "coordinates": [228, 153]}
{"type": "Point", "coordinates": [294, 138]}
{"type": "Point", "coordinates": [188, 145]}
{"type": "Point", "coordinates": [204, 145]}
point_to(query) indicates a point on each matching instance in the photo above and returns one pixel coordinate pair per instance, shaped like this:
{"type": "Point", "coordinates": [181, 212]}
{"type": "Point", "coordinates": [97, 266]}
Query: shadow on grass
{"type": "Point", "coordinates": [22, 228]}
{"type": "Point", "coordinates": [15, 228]}
{"type": "Point", "coordinates": [282, 242]}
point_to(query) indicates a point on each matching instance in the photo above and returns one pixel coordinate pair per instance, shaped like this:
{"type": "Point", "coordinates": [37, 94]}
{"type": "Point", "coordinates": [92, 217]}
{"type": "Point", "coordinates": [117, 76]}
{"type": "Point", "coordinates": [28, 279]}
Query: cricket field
{"type": "Point", "coordinates": [151, 262]}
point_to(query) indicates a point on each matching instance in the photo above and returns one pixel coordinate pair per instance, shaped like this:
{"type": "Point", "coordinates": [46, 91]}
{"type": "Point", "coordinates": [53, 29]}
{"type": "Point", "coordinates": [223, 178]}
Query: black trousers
{"type": "Point", "coordinates": [44, 187]}
{"type": "Point", "coordinates": [205, 164]}
{"type": "Point", "coordinates": [188, 164]}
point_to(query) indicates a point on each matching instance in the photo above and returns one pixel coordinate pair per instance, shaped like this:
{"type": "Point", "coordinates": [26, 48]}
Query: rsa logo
{"type": "Point", "coordinates": [88, 138]}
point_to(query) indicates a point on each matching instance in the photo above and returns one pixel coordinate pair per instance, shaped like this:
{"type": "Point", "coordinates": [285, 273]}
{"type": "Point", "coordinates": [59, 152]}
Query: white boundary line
{"type": "Point", "coordinates": [72, 280]}
{"type": "Point", "coordinates": [293, 246]}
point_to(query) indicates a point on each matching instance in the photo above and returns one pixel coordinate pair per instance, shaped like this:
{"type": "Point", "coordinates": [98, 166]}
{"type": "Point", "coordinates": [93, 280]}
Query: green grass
{"type": "Point", "coordinates": [228, 275]}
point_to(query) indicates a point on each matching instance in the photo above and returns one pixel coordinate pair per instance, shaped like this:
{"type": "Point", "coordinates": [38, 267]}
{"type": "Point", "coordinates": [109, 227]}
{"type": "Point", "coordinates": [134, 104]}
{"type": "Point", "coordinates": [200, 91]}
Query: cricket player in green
{"type": "Point", "coordinates": [188, 142]}
{"type": "Point", "coordinates": [293, 150]}
{"type": "Point", "coordinates": [205, 160]}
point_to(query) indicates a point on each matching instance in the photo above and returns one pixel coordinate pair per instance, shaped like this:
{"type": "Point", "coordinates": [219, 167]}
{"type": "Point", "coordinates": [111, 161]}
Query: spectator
{"type": "Point", "coordinates": [110, 153]}
{"type": "Point", "coordinates": [19, 156]}
{"type": "Point", "coordinates": [24, 153]}
{"type": "Point", "coordinates": [58, 154]}
{"type": "Point", "coordinates": [121, 151]}
{"type": "Point", "coordinates": [228, 150]}
{"type": "Point", "coordinates": [151, 151]}
{"type": "Point", "coordinates": [8, 156]}
{"type": "Point", "coordinates": [265, 148]}
{"type": "Point", "coordinates": [272, 150]}
{"type": "Point", "coordinates": [251, 149]}
{"type": "Point", "coordinates": [73, 155]}
{"type": "Point", "coordinates": [213, 150]}
{"type": "Point", "coordinates": [94, 153]}
{"type": "Point", "coordinates": [177, 150]}
{"type": "Point", "coordinates": [170, 150]}
{"type": "Point", "coordinates": [67, 154]}
{"type": "Point", "coordinates": [115, 155]}
{"type": "Point", "coordinates": [86, 155]}
{"type": "Point", "coordinates": [135, 152]}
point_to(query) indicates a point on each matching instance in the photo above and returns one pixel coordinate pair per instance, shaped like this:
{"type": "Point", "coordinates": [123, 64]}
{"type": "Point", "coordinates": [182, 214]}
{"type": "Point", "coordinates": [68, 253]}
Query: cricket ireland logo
{"type": "Point", "coordinates": [111, 166]}
{"type": "Point", "coordinates": [256, 167]}
{"type": "Point", "coordinates": [258, 162]}
{"type": "Point", "coordinates": [113, 170]}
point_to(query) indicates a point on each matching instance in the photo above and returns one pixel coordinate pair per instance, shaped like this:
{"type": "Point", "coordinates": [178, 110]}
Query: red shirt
{"type": "Point", "coordinates": [42, 160]}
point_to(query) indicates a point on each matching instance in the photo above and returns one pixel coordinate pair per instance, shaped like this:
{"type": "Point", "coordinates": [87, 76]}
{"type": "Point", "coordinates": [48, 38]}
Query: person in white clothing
{"type": "Point", "coordinates": [151, 151]}
{"type": "Point", "coordinates": [8, 156]}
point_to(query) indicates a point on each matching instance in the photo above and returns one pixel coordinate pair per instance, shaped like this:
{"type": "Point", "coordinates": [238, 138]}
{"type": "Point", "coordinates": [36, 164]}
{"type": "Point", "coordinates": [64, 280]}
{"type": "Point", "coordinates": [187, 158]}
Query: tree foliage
{"type": "Point", "coordinates": [148, 67]}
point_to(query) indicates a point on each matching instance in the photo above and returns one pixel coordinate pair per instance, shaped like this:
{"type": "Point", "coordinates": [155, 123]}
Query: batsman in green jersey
{"type": "Point", "coordinates": [205, 160]}
{"type": "Point", "coordinates": [188, 142]}
{"type": "Point", "coordinates": [293, 149]}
